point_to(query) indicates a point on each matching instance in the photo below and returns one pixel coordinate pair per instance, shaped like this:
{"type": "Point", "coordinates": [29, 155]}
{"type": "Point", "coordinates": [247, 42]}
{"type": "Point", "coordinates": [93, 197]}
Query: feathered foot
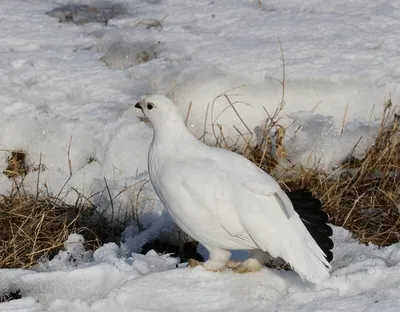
{"type": "Point", "coordinates": [247, 266]}
{"type": "Point", "coordinates": [194, 263]}
{"type": "Point", "coordinates": [212, 266]}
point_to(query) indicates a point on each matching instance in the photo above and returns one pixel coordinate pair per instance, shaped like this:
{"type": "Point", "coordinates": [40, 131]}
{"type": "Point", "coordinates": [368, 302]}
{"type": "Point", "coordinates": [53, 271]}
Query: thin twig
{"type": "Point", "coordinates": [188, 113]}
{"type": "Point", "coordinates": [38, 176]}
{"type": "Point", "coordinates": [236, 112]}
{"type": "Point", "coordinates": [111, 200]}
{"type": "Point", "coordinates": [69, 166]}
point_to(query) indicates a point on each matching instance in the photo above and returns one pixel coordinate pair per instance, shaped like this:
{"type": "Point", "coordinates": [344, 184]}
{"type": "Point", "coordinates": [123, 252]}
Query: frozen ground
{"type": "Point", "coordinates": [59, 80]}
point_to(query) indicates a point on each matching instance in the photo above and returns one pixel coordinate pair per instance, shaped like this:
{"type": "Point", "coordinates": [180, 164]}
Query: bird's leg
{"type": "Point", "coordinates": [217, 260]}
{"type": "Point", "coordinates": [254, 263]}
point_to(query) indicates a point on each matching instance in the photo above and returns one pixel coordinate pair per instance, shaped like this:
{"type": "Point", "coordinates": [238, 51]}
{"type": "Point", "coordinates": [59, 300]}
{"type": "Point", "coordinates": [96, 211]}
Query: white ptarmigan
{"type": "Point", "coordinates": [224, 201]}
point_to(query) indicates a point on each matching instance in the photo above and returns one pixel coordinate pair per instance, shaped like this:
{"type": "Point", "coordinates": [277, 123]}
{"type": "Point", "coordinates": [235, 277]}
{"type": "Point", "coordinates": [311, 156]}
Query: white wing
{"type": "Point", "coordinates": [250, 205]}
{"type": "Point", "coordinates": [288, 238]}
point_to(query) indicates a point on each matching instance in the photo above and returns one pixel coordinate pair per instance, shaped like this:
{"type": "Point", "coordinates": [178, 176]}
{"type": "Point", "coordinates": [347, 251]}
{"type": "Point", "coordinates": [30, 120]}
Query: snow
{"type": "Point", "coordinates": [63, 81]}
{"type": "Point", "coordinates": [364, 278]}
{"type": "Point", "coordinates": [72, 84]}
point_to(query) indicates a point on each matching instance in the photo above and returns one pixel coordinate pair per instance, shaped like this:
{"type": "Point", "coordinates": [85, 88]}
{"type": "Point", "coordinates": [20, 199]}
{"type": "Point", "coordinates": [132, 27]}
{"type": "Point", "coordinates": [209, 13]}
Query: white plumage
{"type": "Point", "coordinates": [223, 200]}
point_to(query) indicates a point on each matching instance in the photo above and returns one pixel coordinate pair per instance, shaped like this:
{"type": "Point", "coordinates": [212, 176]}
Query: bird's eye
{"type": "Point", "coordinates": [150, 106]}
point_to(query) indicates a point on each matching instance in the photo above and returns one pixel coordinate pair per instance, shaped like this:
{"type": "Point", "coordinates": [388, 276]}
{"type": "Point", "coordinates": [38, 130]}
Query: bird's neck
{"type": "Point", "coordinates": [172, 132]}
{"type": "Point", "coordinates": [170, 141]}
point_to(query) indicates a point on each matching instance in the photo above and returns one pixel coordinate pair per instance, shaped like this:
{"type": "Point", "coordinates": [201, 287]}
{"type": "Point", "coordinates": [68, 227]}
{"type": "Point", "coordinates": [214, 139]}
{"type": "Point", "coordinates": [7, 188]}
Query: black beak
{"type": "Point", "coordinates": [137, 105]}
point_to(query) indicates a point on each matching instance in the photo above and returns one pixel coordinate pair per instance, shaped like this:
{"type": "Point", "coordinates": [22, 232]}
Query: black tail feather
{"type": "Point", "coordinates": [315, 219]}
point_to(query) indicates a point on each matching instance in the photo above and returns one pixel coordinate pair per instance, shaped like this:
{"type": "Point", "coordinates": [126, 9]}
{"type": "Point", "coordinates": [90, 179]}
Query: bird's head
{"type": "Point", "coordinates": [158, 108]}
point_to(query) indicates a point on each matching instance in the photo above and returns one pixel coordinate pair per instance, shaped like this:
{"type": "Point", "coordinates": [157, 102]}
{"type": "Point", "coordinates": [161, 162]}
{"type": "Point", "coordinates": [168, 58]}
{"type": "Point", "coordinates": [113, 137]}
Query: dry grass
{"type": "Point", "coordinates": [362, 195]}
{"type": "Point", "coordinates": [36, 225]}
{"type": "Point", "coordinates": [32, 227]}
{"type": "Point", "coordinates": [16, 164]}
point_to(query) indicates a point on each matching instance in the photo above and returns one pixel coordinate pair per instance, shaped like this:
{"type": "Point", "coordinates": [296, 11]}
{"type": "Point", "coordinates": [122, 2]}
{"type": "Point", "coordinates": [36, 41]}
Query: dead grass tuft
{"type": "Point", "coordinates": [32, 227]}
{"type": "Point", "coordinates": [16, 164]}
{"type": "Point", "coordinates": [36, 225]}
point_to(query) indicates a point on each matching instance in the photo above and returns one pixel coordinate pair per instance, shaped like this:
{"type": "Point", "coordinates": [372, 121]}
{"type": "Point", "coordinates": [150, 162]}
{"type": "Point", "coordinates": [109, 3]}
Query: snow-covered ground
{"type": "Point", "coordinates": [63, 83]}
{"type": "Point", "coordinates": [364, 278]}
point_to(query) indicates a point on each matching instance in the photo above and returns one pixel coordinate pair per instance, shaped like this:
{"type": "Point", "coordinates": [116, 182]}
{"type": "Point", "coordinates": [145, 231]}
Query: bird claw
{"type": "Point", "coordinates": [235, 266]}
{"type": "Point", "coordinates": [247, 266]}
{"type": "Point", "coordinates": [193, 263]}
{"type": "Point", "coordinates": [209, 266]}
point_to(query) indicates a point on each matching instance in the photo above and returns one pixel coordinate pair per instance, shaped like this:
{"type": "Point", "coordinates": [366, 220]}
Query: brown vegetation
{"type": "Point", "coordinates": [362, 195]}
{"type": "Point", "coordinates": [36, 225]}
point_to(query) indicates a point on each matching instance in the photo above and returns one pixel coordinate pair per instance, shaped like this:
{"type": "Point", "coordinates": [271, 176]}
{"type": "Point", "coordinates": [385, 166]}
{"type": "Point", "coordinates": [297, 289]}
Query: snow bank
{"type": "Point", "coordinates": [323, 124]}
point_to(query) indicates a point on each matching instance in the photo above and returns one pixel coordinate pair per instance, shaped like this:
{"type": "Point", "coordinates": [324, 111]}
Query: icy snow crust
{"type": "Point", "coordinates": [64, 83]}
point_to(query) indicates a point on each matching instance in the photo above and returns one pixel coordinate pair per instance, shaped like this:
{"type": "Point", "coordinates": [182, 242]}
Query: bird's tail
{"type": "Point", "coordinates": [314, 219]}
